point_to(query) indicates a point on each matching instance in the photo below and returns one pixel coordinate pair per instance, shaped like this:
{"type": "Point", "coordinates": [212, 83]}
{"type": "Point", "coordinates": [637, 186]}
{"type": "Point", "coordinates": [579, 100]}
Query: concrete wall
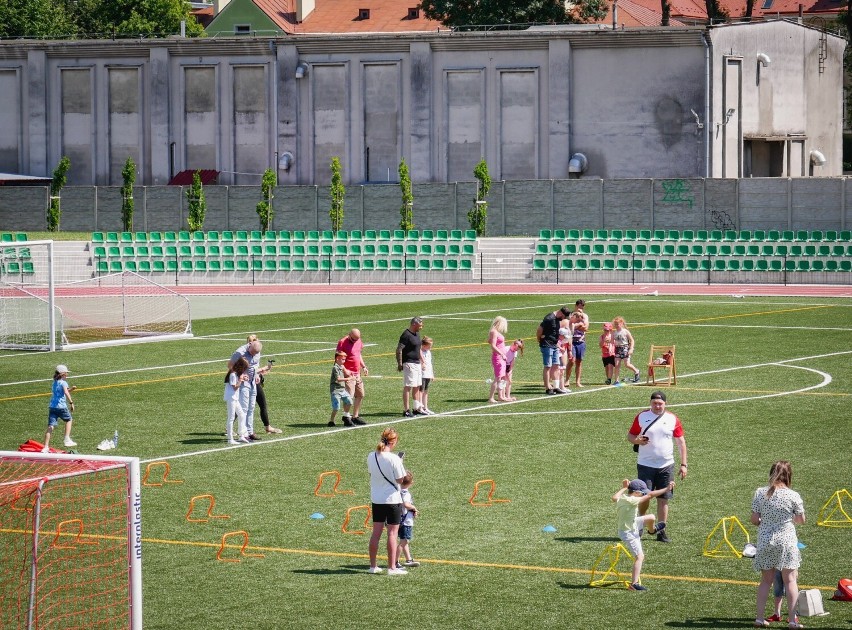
{"type": "Point", "coordinates": [519, 207]}
{"type": "Point", "coordinates": [639, 103]}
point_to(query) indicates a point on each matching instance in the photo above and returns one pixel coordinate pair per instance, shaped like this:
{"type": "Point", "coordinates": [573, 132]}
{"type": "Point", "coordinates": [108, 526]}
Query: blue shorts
{"type": "Point", "coordinates": [339, 396]}
{"type": "Point", "coordinates": [549, 356]}
{"type": "Point", "coordinates": [656, 478]}
{"type": "Point", "coordinates": [406, 531]}
{"type": "Point", "coordinates": [54, 415]}
{"type": "Point", "coordinates": [579, 351]}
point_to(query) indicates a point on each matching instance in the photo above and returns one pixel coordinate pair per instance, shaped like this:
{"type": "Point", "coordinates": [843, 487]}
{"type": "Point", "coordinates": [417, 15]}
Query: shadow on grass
{"type": "Point", "coordinates": [574, 587]}
{"type": "Point", "coordinates": [203, 438]}
{"type": "Point", "coordinates": [711, 622]}
{"type": "Point", "coordinates": [350, 570]}
{"type": "Point", "coordinates": [577, 539]}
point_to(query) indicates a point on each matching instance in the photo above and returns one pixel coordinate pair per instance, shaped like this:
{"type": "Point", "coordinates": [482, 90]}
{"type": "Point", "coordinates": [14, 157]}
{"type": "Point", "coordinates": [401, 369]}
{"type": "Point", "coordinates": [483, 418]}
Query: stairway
{"type": "Point", "coordinates": [504, 259]}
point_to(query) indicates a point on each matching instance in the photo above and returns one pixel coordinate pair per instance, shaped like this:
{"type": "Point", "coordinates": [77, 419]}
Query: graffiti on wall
{"type": "Point", "coordinates": [677, 192]}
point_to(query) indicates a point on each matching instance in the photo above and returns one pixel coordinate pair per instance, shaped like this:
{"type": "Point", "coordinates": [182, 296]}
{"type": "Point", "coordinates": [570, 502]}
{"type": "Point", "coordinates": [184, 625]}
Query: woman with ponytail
{"type": "Point", "coordinates": [386, 474]}
{"type": "Point", "coordinates": [776, 509]}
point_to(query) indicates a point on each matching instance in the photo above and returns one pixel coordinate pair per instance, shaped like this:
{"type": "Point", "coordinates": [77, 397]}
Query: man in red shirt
{"type": "Point", "coordinates": [351, 344]}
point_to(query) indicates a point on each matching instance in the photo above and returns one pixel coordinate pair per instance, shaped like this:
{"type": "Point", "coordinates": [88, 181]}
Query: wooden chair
{"type": "Point", "coordinates": [658, 354]}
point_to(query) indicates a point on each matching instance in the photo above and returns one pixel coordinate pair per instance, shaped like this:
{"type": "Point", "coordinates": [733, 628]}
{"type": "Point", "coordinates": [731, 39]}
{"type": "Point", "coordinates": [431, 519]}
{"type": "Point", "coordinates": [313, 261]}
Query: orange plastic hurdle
{"type": "Point", "coordinates": [346, 529]}
{"type": "Point", "coordinates": [334, 489]}
{"type": "Point", "coordinates": [166, 470]}
{"type": "Point", "coordinates": [77, 540]}
{"type": "Point", "coordinates": [490, 500]}
{"type": "Point", "coordinates": [242, 548]}
{"type": "Point", "coordinates": [209, 509]}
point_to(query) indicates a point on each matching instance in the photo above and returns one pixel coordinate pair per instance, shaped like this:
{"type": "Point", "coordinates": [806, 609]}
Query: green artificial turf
{"type": "Point", "coordinates": [758, 380]}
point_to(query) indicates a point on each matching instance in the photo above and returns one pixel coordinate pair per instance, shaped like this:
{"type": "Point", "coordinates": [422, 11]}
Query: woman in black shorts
{"type": "Point", "coordinates": [386, 473]}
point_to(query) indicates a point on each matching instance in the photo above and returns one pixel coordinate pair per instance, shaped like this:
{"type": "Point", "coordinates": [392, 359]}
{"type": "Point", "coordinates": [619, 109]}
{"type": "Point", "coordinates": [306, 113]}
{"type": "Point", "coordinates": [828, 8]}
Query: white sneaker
{"type": "Point", "coordinates": [375, 570]}
{"type": "Point", "coordinates": [70, 442]}
{"type": "Point", "coordinates": [397, 572]}
{"type": "Point", "coordinates": [232, 442]}
{"type": "Point", "coordinates": [45, 449]}
{"type": "Point", "coordinates": [244, 440]}
{"type": "Point", "coordinates": [412, 563]}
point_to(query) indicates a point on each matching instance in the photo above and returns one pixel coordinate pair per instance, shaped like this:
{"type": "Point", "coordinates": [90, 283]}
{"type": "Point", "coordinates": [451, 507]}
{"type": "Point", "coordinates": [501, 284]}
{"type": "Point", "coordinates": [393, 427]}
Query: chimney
{"type": "Point", "coordinates": [218, 5]}
{"type": "Point", "coordinates": [304, 9]}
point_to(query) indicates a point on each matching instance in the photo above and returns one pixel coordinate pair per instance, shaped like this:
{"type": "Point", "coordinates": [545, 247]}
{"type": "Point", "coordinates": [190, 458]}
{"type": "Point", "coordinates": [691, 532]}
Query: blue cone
{"type": "Point", "coordinates": [548, 528]}
{"type": "Point", "coordinates": [317, 516]}
{"type": "Point", "coordinates": [801, 545]}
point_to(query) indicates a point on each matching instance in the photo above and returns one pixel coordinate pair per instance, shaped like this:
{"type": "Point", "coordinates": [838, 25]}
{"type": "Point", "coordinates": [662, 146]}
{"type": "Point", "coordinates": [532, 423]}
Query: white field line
{"type": "Point", "coordinates": [826, 379]}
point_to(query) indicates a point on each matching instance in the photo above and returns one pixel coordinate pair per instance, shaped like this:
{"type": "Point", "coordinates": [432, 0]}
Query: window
{"type": "Point", "coordinates": [242, 29]}
{"type": "Point", "coordinates": [363, 14]}
{"type": "Point", "coordinates": [767, 4]}
{"type": "Point", "coordinates": [413, 13]}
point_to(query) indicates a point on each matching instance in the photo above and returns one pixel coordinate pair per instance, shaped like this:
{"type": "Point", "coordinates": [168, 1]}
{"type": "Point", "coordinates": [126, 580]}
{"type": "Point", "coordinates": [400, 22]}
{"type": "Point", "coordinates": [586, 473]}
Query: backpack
{"type": "Point", "coordinates": [844, 590]}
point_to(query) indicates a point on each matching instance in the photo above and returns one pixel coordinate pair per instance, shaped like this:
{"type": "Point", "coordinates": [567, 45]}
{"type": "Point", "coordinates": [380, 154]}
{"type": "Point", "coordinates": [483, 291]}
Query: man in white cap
{"type": "Point", "coordinates": [655, 431]}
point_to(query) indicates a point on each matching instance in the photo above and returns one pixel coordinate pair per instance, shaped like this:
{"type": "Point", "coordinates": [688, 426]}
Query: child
{"type": "Point", "coordinates": [607, 344]}
{"type": "Point", "coordinates": [409, 511]}
{"type": "Point", "coordinates": [58, 409]}
{"type": "Point", "coordinates": [623, 350]}
{"type": "Point", "coordinates": [630, 525]}
{"type": "Point", "coordinates": [517, 348]}
{"type": "Point", "coordinates": [565, 346]}
{"type": "Point", "coordinates": [339, 376]}
{"type": "Point", "coordinates": [235, 377]}
{"type": "Point", "coordinates": [427, 374]}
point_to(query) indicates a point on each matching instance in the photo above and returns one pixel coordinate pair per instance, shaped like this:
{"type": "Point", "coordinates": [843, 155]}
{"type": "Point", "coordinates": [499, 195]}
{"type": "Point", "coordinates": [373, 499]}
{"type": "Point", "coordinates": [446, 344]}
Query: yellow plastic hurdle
{"type": "Point", "coordinates": [724, 548]}
{"type": "Point", "coordinates": [490, 500]}
{"type": "Point", "coordinates": [166, 471]}
{"type": "Point", "coordinates": [346, 529]}
{"type": "Point", "coordinates": [834, 505]}
{"type": "Point", "coordinates": [334, 490]}
{"type": "Point", "coordinates": [242, 548]}
{"type": "Point", "coordinates": [610, 557]}
{"type": "Point", "coordinates": [210, 506]}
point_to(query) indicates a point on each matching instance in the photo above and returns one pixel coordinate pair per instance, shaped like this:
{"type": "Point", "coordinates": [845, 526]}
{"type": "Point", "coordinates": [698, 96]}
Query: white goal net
{"type": "Point", "coordinates": [36, 313]}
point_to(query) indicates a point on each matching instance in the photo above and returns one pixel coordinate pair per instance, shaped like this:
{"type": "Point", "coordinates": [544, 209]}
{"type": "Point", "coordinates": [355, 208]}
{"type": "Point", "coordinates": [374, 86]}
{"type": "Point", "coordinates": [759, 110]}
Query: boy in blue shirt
{"type": "Point", "coordinates": [58, 409]}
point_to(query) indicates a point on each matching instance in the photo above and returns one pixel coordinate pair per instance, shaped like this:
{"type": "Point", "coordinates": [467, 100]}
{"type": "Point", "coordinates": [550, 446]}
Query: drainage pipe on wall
{"type": "Point", "coordinates": [707, 126]}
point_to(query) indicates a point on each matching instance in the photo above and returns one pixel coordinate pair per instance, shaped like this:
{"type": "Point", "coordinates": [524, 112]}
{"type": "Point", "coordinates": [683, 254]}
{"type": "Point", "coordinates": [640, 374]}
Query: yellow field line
{"type": "Point", "coordinates": [458, 563]}
{"type": "Point", "coordinates": [710, 319]}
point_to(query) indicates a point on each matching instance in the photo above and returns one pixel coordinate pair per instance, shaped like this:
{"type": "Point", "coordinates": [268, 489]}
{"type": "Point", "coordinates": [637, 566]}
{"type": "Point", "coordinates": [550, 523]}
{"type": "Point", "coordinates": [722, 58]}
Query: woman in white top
{"type": "Point", "coordinates": [386, 473]}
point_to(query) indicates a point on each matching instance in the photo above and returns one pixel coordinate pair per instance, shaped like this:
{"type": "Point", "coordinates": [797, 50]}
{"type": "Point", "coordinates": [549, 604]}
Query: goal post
{"type": "Point", "coordinates": [70, 541]}
{"type": "Point", "coordinates": [43, 309]}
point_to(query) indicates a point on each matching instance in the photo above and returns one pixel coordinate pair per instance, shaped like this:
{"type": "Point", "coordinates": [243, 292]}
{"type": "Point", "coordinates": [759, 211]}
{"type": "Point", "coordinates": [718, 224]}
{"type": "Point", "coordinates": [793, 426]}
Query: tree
{"type": "Point", "coordinates": [34, 18]}
{"type": "Point", "coordinates": [337, 193]}
{"type": "Point", "coordinates": [197, 203]}
{"type": "Point", "coordinates": [476, 12]}
{"type": "Point", "coordinates": [715, 12]}
{"type": "Point", "coordinates": [60, 178]}
{"type": "Point", "coordinates": [407, 208]}
{"type": "Point", "coordinates": [478, 215]}
{"type": "Point", "coordinates": [128, 175]}
{"type": "Point", "coordinates": [264, 209]}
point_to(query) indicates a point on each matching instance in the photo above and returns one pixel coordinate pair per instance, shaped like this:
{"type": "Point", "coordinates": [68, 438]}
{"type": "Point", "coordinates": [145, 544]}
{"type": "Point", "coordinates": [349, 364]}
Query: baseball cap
{"type": "Point", "coordinates": [61, 369]}
{"type": "Point", "coordinates": [607, 326]}
{"type": "Point", "coordinates": [637, 485]}
{"type": "Point", "coordinates": [658, 395]}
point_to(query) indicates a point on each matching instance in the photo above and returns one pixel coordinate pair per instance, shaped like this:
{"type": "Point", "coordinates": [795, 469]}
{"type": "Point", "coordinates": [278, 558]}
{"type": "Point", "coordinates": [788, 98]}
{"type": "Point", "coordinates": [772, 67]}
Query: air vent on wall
{"type": "Point", "coordinates": [363, 14]}
{"type": "Point", "coordinates": [413, 13]}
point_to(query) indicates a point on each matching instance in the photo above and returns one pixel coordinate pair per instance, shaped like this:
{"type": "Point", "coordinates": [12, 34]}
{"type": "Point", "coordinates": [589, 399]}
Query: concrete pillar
{"type": "Point", "coordinates": [421, 112]}
{"type": "Point", "coordinates": [160, 135]}
{"type": "Point", "coordinates": [36, 80]}
{"type": "Point", "coordinates": [287, 58]}
{"type": "Point", "coordinates": [558, 138]}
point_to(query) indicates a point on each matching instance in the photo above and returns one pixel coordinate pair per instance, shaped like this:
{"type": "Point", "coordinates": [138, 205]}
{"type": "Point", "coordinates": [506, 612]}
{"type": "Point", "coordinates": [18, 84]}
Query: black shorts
{"type": "Point", "coordinates": [387, 513]}
{"type": "Point", "coordinates": [424, 384]}
{"type": "Point", "coordinates": [608, 360]}
{"type": "Point", "coordinates": [656, 478]}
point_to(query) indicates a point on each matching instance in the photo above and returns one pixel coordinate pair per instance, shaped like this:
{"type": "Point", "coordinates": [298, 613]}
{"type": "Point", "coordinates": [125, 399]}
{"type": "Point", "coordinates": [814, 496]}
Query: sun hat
{"type": "Point", "coordinates": [637, 485]}
{"type": "Point", "coordinates": [62, 369]}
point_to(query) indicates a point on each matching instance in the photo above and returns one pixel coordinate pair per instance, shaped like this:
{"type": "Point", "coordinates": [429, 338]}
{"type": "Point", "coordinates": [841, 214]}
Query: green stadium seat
{"type": "Point", "coordinates": [767, 250]}
{"type": "Point", "coordinates": [823, 251]}
{"type": "Point", "coordinates": [456, 235]}
{"type": "Point", "coordinates": [186, 265]}
{"type": "Point", "coordinates": [669, 249]}
{"type": "Point", "coordinates": [411, 264]}
{"type": "Point", "coordinates": [285, 235]}
{"type": "Point", "coordinates": [758, 235]}
{"type": "Point", "coordinates": [241, 236]}
{"type": "Point", "coordinates": [641, 249]}
{"type": "Point", "coordinates": [183, 236]}
{"type": "Point", "coordinates": [545, 235]}
{"type": "Point", "coordinates": [184, 251]}
{"type": "Point", "coordinates": [552, 264]}
{"type": "Point", "coordinates": [242, 265]}
{"type": "Point", "coordinates": [213, 236]}
{"type": "Point", "coordinates": [114, 252]}
{"type": "Point", "coordinates": [626, 249]}
{"type": "Point", "coordinates": [831, 265]}
{"type": "Point", "coordinates": [325, 264]}
{"type": "Point", "coordinates": [141, 251]}
{"type": "Point", "coordinates": [802, 265]}
{"type": "Point", "coordinates": [602, 235]}
{"type": "Point", "coordinates": [256, 264]}
{"type": "Point", "coordinates": [696, 250]}
{"type": "Point", "coordinates": [655, 249]}
{"type": "Point", "coordinates": [169, 237]}
{"type": "Point", "coordinates": [112, 237]}
{"type": "Point", "coordinates": [442, 235]}
{"type": "Point", "coordinates": [687, 235]}
{"type": "Point", "coordinates": [732, 264]}
{"type": "Point", "coordinates": [97, 237]}
{"type": "Point", "coordinates": [312, 236]}
{"type": "Point", "coordinates": [761, 264]}
{"type": "Point", "coordinates": [469, 235]}
{"type": "Point", "coordinates": [158, 266]}
{"type": "Point", "coordinates": [725, 250]}
{"type": "Point", "coordinates": [730, 236]}
{"type": "Point", "coordinates": [644, 235]}
{"type": "Point", "coordinates": [678, 264]}
{"type": "Point", "coordinates": [584, 249]}
{"type": "Point", "coordinates": [353, 249]}
{"type": "Point", "coordinates": [559, 235]}
{"type": "Point", "coordinates": [573, 235]}
{"type": "Point", "coordinates": [664, 264]}
{"type": "Point", "coordinates": [719, 265]}
{"type": "Point", "coordinates": [829, 236]}
{"type": "Point", "coordinates": [198, 236]}
{"type": "Point", "coordinates": [702, 235]}
{"type": "Point", "coordinates": [270, 249]}
{"type": "Point", "coordinates": [612, 249]}
{"type": "Point", "coordinates": [581, 264]}
{"type": "Point", "coordinates": [437, 264]}
{"type": "Point", "coordinates": [747, 264]}
{"type": "Point", "coordinates": [201, 265]}
{"type": "Point", "coordinates": [569, 249]}
{"type": "Point", "coordinates": [369, 249]}
{"type": "Point", "coordinates": [394, 264]}
{"type": "Point", "coordinates": [384, 235]}
{"type": "Point", "coordinates": [144, 266]}
{"type": "Point", "coordinates": [566, 264]}
{"type": "Point", "coordinates": [782, 250]}
{"type": "Point", "coordinates": [413, 235]}
{"type": "Point", "coordinates": [796, 250]}
{"type": "Point", "coordinates": [844, 236]}
{"type": "Point", "coordinates": [102, 266]}
{"type": "Point", "coordinates": [370, 235]}
{"type": "Point", "coordinates": [773, 235]}
{"type": "Point", "coordinates": [692, 264]}
{"type": "Point", "coordinates": [631, 235]}
{"type": "Point", "coordinates": [744, 235]}
{"type": "Point", "coordinates": [326, 235]}
{"type": "Point", "coordinates": [776, 265]}
{"type": "Point", "coordinates": [465, 265]}
{"type": "Point", "coordinates": [616, 235]}
{"type": "Point", "coordinates": [738, 250]}
{"type": "Point", "coordinates": [673, 235]}
{"type": "Point", "coordinates": [198, 250]}
{"type": "Point", "coordinates": [125, 237]}
{"type": "Point", "coordinates": [423, 265]}
{"type": "Point", "coordinates": [99, 252]}
{"type": "Point", "coordinates": [227, 236]}
{"type": "Point", "coordinates": [425, 249]}
{"type": "Point", "coordinates": [658, 235]}
{"type": "Point", "coordinates": [368, 264]}
{"type": "Point", "coordinates": [269, 264]}
{"type": "Point", "coordinates": [299, 235]}
{"type": "Point", "coordinates": [541, 249]}
{"type": "Point", "coordinates": [788, 236]}
{"type": "Point", "coordinates": [649, 264]}
{"type": "Point", "coordinates": [838, 250]}
{"type": "Point", "coordinates": [115, 266]}
{"type": "Point", "coordinates": [801, 236]}
{"type": "Point", "coordinates": [622, 264]}
{"type": "Point", "coordinates": [815, 236]}
{"type": "Point", "coordinates": [817, 265]}
{"type": "Point", "coordinates": [427, 235]}
{"type": "Point", "coordinates": [716, 236]}
{"type": "Point", "coordinates": [214, 265]}
{"type": "Point", "coordinates": [587, 235]}
{"type": "Point", "coordinates": [598, 249]}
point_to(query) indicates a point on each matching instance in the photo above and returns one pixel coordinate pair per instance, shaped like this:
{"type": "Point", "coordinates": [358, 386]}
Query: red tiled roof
{"type": "Point", "coordinates": [638, 13]}
{"type": "Point", "coordinates": [282, 12]}
{"type": "Point", "coordinates": [184, 178]}
{"type": "Point", "coordinates": [386, 16]}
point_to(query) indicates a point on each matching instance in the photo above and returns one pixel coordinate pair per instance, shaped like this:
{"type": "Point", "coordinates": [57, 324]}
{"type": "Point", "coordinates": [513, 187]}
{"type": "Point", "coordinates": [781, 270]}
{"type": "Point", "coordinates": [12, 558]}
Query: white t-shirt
{"type": "Point", "coordinates": [381, 490]}
{"type": "Point", "coordinates": [659, 452]}
{"type": "Point", "coordinates": [232, 387]}
{"type": "Point", "coordinates": [408, 518]}
{"type": "Point", "coordinates": [427, 371]}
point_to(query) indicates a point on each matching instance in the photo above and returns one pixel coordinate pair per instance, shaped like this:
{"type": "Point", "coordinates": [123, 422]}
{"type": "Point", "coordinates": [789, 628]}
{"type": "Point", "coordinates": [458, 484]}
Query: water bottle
{"type": "Point", "coordinates": [115, 439]}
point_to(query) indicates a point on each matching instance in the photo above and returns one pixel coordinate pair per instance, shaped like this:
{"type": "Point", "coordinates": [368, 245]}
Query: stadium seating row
{"type": "Point", "coordinates": [285, 250]}
{"type": "Point", "coordinates": [684, 249]}
{"type": "Point", "coordinates": [14, 268]}
{"type": "Point", "coordinates": [772, 236]}
{"type": "Point", "coordinates": [244, 236]}
{"type": "Point", "coordinates": [689, 264]}
{"type": "Point", "coordinates": [282, 264]}
{"type": "Point", "coordinates": [12, 237]}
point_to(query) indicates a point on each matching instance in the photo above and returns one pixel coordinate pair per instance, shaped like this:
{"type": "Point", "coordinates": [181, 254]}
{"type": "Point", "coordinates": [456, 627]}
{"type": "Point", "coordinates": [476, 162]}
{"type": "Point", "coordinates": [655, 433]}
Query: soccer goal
{"type": "Point", "coordinates": [70, 541]}
{"type": "Point", "coordinates": [39, 313]}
